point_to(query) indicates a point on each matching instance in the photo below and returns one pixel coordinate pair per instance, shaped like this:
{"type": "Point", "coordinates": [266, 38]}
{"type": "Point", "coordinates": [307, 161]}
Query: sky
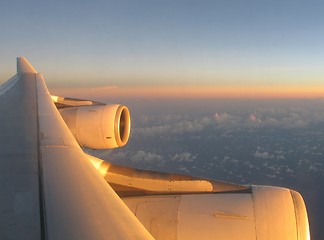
{"type": "Point", "coordinates": [211, 49]}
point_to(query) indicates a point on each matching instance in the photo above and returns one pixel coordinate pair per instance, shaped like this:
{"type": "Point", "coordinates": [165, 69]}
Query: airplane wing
{"type": "Point", "coordinates": [51, 189]}
{"type": "Point", "coordinates": [48, 188]}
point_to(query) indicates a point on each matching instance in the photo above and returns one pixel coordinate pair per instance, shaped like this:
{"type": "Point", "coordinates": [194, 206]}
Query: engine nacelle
{"type": "Point", "coordinates": [98, 126]}
{"type": "Point", "coordinates": [261, 213]}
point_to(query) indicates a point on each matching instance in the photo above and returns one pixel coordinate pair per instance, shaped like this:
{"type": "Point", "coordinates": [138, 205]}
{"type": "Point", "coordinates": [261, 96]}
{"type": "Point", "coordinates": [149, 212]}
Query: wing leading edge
{"type": "Point", "coordinates": [38, 153]}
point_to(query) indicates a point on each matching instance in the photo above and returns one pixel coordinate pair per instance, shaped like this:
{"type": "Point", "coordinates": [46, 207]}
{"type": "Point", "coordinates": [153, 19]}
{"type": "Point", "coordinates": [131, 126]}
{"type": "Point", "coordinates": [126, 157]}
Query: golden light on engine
{"type": "Point", "coordinates": [99, 126]}
{"type": "Point", "coordinates": [122, 131]}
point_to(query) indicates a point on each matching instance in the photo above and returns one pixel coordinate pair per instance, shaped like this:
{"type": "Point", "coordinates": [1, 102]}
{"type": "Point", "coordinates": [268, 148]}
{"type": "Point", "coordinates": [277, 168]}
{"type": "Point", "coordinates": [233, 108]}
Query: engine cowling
{"type": "Point", "coordinates": [98, 126]}
{"type": "Point", "coordinates": [261, 213]}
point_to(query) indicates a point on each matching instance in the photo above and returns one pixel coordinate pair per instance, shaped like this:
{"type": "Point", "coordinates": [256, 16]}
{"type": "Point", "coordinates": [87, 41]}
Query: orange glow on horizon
{"type": "Point", "coordinates": [177, 92]}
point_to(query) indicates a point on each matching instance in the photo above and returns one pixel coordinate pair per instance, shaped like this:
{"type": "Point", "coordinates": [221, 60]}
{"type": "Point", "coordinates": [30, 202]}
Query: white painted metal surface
{"type": "Point", "coordinates": [264, 213]}
{"type": "Point", "coordinates": [75, 202]}
{"type": "Point", "coordinates": [276, 214]}
{"type": "Point", "coordinates": [19, 195]}
{"type": "Point", "coordinates": [99, 126]}
{"type": "Point", "coordinates": [130, 181]}
{"type": "Point", "coordinates": [199, 216]}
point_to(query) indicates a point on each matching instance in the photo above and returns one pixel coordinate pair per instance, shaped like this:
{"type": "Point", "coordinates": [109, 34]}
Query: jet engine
{"type": "Point", "coordinates": [258, 213]}
{"type": "Point", "coordinates": [175, 207]}
{"type": "Point", "coordinates": [98, 126]}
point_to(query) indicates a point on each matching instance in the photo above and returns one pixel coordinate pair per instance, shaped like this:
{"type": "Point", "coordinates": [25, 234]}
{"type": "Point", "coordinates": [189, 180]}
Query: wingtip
{"type": "Point", "coordinates": [23, 66]}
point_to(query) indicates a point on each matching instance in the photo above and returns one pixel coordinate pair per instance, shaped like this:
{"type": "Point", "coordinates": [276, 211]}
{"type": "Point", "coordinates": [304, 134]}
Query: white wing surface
{"type": "Point", "coordinates": [48, 188]}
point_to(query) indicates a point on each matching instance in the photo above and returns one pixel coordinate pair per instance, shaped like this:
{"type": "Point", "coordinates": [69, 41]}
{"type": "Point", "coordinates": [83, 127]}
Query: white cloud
{"type": "Point", "coordinates": [273, 117]}
{"type": "Point", "coordinates": [285, 117]}
{"type": "Point", "coordinates": [271, 176]}
{"type": "Point", "coordinates": [254, 118]}
{"type": "Point", "coordinates": [226, 120]}
{"type": "Point", "coordinates": [183, 157]}
{"type": "Point", "coordinates": [289, 170]}
{"type": "Point", "coordinates": [313, 168]}
{"type": "Point", "coordinates": [142, 156]}
{"type": "Point", "coordinates": [184, 169]}
{"type": "Point", "coordinates": [180, 127]}
{"type": "Point", "coordinates": [280, 157]}
{"type": "Point", "coordinates": [279, 117]}
{"type": "Point", "coordinates": [262, 154]}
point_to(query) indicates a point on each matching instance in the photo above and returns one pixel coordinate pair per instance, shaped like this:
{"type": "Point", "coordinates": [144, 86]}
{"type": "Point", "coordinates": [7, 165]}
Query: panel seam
{"type": "Point", "coordinates": [254, 215]}
{"type": "Point", "coordinates": [42, 210]}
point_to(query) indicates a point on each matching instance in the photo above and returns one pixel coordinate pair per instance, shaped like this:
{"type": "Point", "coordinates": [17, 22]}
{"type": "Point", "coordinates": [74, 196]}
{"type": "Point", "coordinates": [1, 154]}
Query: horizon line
{"type": "Point", "coordinates": [193, 92]}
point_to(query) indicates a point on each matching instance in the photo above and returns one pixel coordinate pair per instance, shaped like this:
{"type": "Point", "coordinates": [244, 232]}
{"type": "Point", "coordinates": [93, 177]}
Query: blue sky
{"type": "Point", "coordinates": [168, 43]}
